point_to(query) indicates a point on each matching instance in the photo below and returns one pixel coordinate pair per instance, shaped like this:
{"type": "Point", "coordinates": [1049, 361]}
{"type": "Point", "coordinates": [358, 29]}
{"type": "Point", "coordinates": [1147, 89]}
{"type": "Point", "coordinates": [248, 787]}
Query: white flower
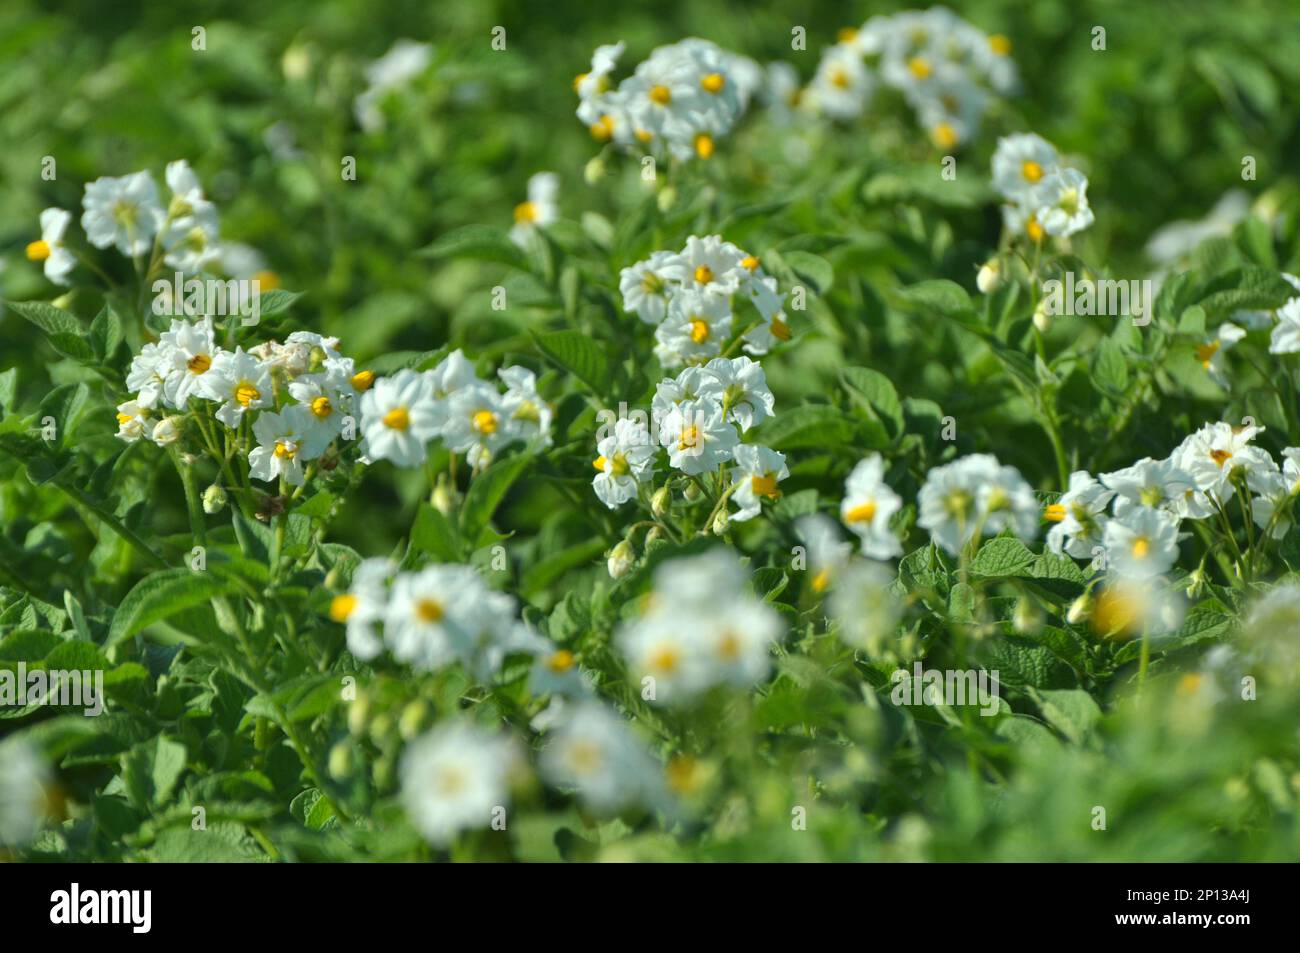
{"type": "Point", "coordinates": [828, 554]}
{"type": "Point", "coordinates": [647, 285]}
{"type": "Point", "coordinates": [1079, 517]}
{"type": "Point", "coordinates": [863, 607]}
{"type": "Point", "coordinates": [603, 61]}
{"type": "Point", "coordinates": [1160, 484]}
{"type": "Point", "coordinates": [528, 415]}
{"type": "Point", "coordinates": [328, 395]}
{"type": "Point", "coordinates": [755, 476]}
{"type": "Point", "coordinates": [841, 87]}
{"type": "Point", "coordinates": [1064, 197]}
{"type": "Point", "coordinates": [868, 506]}
{"type": "Point", "coordinates": [1209, 456]}
{"type": "Point", "coordinates": [456, 778]}
{"type": "Point", "coordinates": [975, 494]}
{"type": "Point", "coordinates": [1141, 542]}
{"type": "Point", "coordinates": [50, 249]}
{"type": "Point", "coordinates": [740, 385]}
{"type": "Point", "coordinates": [538, 209]}
{"type": "Point", "coordinates": [285, 442]}
{"type": "Point", "coordinates": [123, 212]}
{"type": "Point", "coordinates": [190, 232]}
{"type": "Point", "coordinates": [399, 416]}
{"type": "Point", "coordinates": [697, 436]}
{"type": "Point", "coordinates": [1211, 353]}
{"type": "Point", "coordinates": [1285, 337]}
{"type": "Point", "coordinates": [478, 423]}
{"type": "Point", "coordinates": [132, 419]}
{"type": "Point", "coordinates": [239, 381]}
{"type": "Point", "coordinates": [1276, 492]}
{"type": "Point", "coordinates": [596, 754]}
{"type": "Point", "coordinates": [454, 372]}
{"type": "Point", "coordinates": [713, 266]}
{"type": "Point", "coordinates": [431, 617]}
{"type": "Point", "coordinates": [189, 350]}
{"type": "Point", "coordinates": [625, 460]}
{"type": "Point", "coordinates": [1021, 165]}
{"type": "Point", "coordinates": [695, 329]}
{"type": "Point", "coordinates": [24, 777]}
{"type": "Point", "coordinates": [363, 607]}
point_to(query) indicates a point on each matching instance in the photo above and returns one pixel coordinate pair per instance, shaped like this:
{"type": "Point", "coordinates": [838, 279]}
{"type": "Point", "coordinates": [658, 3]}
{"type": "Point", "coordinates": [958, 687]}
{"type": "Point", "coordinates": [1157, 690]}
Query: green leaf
{"type": "Point", "coordinates": [434, 534]}
{"type": "Point", "coordinates": [1002, 557]}
{"type": "Point", "coordinates": [276, 301]}
{"type": "Point", "coordinates": [875, 391]}
{"type": "Point", "coordinates": [1072, 712]}
{"type": "Point", "coordinates": [1110, 369]}
{"type": "Point", "coordinates": [48, 318]}
{"type": "Point", "coordinates": [813, 269]}
{"type": "Point", "coordinates": [812, 425]}
{"type": "Point", "coordinates": [106, 333]}
{"type": "Point", "coordinates": [160, 595]}
{"type": "Point", "coordinates": [939, 295]}
{"type": "Point", "coordinates": [487, 490]}
{"type": "Point", "coordinates": [576, 353]}
{"type": "Point", "coordinates": [484, 242]}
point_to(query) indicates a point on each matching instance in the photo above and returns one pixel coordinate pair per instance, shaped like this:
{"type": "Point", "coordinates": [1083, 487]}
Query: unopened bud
{"type": "Point", "coordinates": [692, 492]}
{"type": "Point", "coordinates": [721, 523]}
{"type": "Point", "coordinates": [444, 499]}
{"type": "Point", "coordinates": [989, 279]}
{"type": "Point", "coordinates": [1026, 618]}
{"type": "Point", "coordinates": [660, 502]}
{"type": "Point", "coordinates": [1043, 317]}
{"type": "Point", "coordinates": [415, 717]}
{"type": "Point", "coordinates": [1080, 609]}
{"type": "Point", "coordinates": [214, 499]}
{"type": "Point", "coordinates": [340, 765]}
{"type": "Point", "coordinates": [594, 170]}
{"type": "Point", "coordinates": [167, 431]}
{"type": "Point", "coordinates": [666, 198]}
{"type": "Point", "coordinates": [359, 715]}
{"type": "Point", "coordinates": [621, 558]}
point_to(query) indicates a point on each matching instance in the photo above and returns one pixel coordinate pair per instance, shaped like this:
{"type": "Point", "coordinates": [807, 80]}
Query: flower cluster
{"type": "Point", "coordinates": [688, 296]}
{"type": "Point", "coordinates": [702, 627]}
{"type": "Point", "coordinates": [679, 102]}
{"type": "Point", "coordinates": [299, 395]}
{"type": "Point", "coordinates": [1041, 195]}
{"type": "Point", "coordinates": [699, 417]}
{"type": "Point", "coordinates": [127, 214]}
{"type": "Point", "coordinates": [948, 72]}
{"type": "Point", "coordinates": [432, 618]}
{"type": "Point", "coordinates": [975, 496]}
{"type": "Point", "coordinates": [402, 413]}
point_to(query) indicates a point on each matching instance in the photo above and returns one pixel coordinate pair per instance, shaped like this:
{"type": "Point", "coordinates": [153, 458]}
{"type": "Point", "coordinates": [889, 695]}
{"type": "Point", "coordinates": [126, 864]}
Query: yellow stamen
{"type": "Point", "coordinates": [1000, 44]}
{"type": "Point", "coordinates": [729, 647]}
{"type": "Point", "coordinates": [341, 607]}
{"type": "Point", "coordinates": [199, 364]}
{"type": "Point", "coordinates": [603, 129]}
{"type": "Point", "coordinates": [266, 280]}
{"type": "Point", "coordinates": [703, 145]}
{"type": "Point", "coordinates": [363, 380]}
{"type": "Point", "coordinates": [749, 262]}
{"type": "Point", "coordinates": [38, 250]}
{"type": "Point", "coordinates": [840, 78]}
{"type": "Point", "coordinates": [577, 81]}
{"type": "Point", "coordinates": [599, 464]}
{"type": "Point", "coordinates": [681, 774]}
{"type": "Point", "coordinates": [780, 330]}
{"type": "Point", "coordinates": [399, 418]}
{"type": "Point", "coordinates": [1220, 456]}
{"type": "Point", "coordinates": [944, 135]}
{"type": "Point", "coordinates": [526, 212]}
{"type": "Point", "coordinates": [765, 485]}
{"type": "Point", "coordinates": [560, 662]}
{"type": "Point", "coordinates": [644, 135]}
{"type": "Point", "coordinates": [847, 34]}
{"type": "Point", "coordinates": [428, 610]}
{"type": "Point", "coordinates": [1034, 230]}
{"type": "Point", "coordinates": [485, 422]}
{"type": "Point", "coordinates": [246, 393]}
{"type": "Point", "coordinates": [821, 581]}
{"type": "Point", "coordinates": [1031, 170]}
{"type": "Point", "coordinates": [699, 330]}
{"type": "Point", "coordinates": [1141, 548]}
{"type": "Point", "coordinates": [1054, 513]}
{"type": "Point", "coordinates": [690, 438]}
{"type": "Point", "coordinates": [919, 67]}
{"type": "Point", "coordinates": [1190, 683]}
{"type": "Point", "coordinates": [664, 659]}
{"type": "Point", "coordinates": [703, 274]}
{"type": "Point", "coordinates": [661, 95]}
{"type": "Point", "coordinates": [322, 407]}
{"type": "Point", "coordinates": [863, 513]}
{"type": "Point", "coordinates": [285, 451]}
{"type": "Point", "coordinates": [1206, 352]}
{"type": "Point", "coordinates": [124, 419]}
{"type": "Point", "coordinates": [713, 83]}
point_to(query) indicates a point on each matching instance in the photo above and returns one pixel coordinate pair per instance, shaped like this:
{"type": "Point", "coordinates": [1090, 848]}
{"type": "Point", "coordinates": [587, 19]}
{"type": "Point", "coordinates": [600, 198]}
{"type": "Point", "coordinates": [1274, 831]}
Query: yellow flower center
{"type": "Point", "coordinates": [485, 422]}
{"type": "Point", "coordinates": [1190, 683]}
{"type": "Point", "coordinates": [780, 330]}
{"type": "Point", "coordinates": [341, 607]}
{"type": "Point", "coordinates": [664, 659]}
{"type": "Point", "coordinates": [713, 83]}
{"type": "Point", "coordinates": [681, 774]}
{"type": "Point", "coordinates": [267, 280]}
{"type": "Point", "coordinates": [690, 438]}
{"type": "Point", "coordinates": [603, 128]}
{"type": "Point", "coordinates": [583, 757]}
{"type": "Point", "coordinates": [38, 250]}
{"type": "Point", "coordinates": [644, 135]}
{"type": "Point", "coordinates": [1054, 513]}
{"type": "Point", "coordinates": [428, 610]}
{"type": "Point", "coordinates": [840, 78]}
{"type": "Point", "coordinates": [199, 363]}
{"type": "Point", "coordinates": [246, 393]}
{"type": "Point", "coordinates": [1000, 44]}
{"type": "Point", "coordinates": [322, 407]}
{"type": "Point", "coordinates": [526, 212]}
{"type": "Point", "coordinates": [1034, 230]}
{"type": "Point", "coordinates": [749, 262]}
{"type": "Point", "coordinates": [285, 450]}
{"type": "Point", "coordinates": [944, 135]}
{"type": "Point", "coordinates": [577, 81]}
{"type": "Point", "coordinates": [124, 419]}
{"type": "Point", "coordinates": [560, 662]}
{"type": "Point", "coordinates": [399, 418]}
{"type": "Point", "coordinates": [821, 581]}
{"type": "Point", "coordinates": [765, 485]}
{"type": "Point", "coordinates": [699, 330]}
{"type": "Point", "coordinates": [1206, 352]}
{"type": "Point", "coordinates": [847, 34]}
{"type": "Point", "coordinates": [919, 67]}
{"type": "Point", "coordinates": [661, 95]}
{"type": "Point", "coordinates": [1141, 548]}
{"type": "Point", "coordinates": [363, 380]}
{"type": "Point", "coordinates": [703, 145]}
{"type": "Point", "coordinates": [729, 647]}
{"type": "Point", "coordinates": [703, 274]}
{"type": "Point", "coordinates": [1220, 456]}
{"type": "Point", "coordinates": [1031, 170]}
{"type": "Point", "coordinates": [863, 513]}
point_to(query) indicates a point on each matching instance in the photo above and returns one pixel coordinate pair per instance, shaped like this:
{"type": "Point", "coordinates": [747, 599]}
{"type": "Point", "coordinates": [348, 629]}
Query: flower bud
{"type": "Point", "coordinates": [167, 431]}
{"type": "Point", "coordinates": [660, 502]}
{"type": "Point", "coordinates": [444, 499]}
{"type": "Point", "coordinates": [359, 715]}
{"type": "Point", "coordinates": [1026, 618]}
{"type": "Point", "coordinates": [621, 558]}
{"type": "Point", "coordinates": [414, 719]}
{"type": "Point", "coordinates": [666, 198]}
{"type": "Point", "coordinates": [340, 765]}
{"type": "Point", "coordinates": [692, 492]}
{"type": "Point", "coordinates": [721, 523]}
{"type": "Point", "coordinates": [989, 279]}
{"type": "Point", "coordinates": [214, 499]}
{"type": "Point", "coordinates": [1043, 317]}
{"type": "Point", "coordinates": [594, 170]}
{"type": "Point", "coordinates": [1080, 609]}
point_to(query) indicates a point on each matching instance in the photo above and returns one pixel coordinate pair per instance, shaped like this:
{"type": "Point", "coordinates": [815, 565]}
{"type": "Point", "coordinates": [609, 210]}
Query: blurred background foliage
{"type": "Point", "coordinates": [1159, 120]}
